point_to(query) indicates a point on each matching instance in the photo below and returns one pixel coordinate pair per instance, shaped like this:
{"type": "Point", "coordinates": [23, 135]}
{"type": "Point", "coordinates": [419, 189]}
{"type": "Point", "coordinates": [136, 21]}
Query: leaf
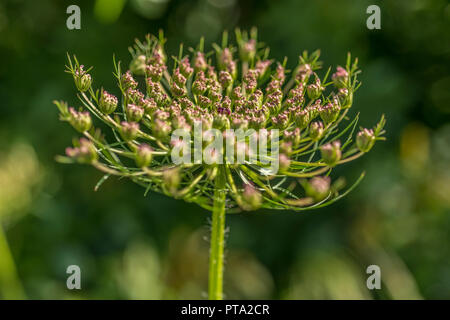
{"type": "Point", "coordinates": [101, 181]}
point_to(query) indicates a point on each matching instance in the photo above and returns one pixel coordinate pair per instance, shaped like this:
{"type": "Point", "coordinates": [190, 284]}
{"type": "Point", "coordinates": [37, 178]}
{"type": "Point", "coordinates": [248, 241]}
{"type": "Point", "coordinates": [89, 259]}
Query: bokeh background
{"type": "Point", "coordinates": [130, 247]}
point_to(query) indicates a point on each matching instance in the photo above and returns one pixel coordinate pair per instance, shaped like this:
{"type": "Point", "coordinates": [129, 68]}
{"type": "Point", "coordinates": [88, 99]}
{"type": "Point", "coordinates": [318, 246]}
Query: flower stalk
{"type": "Point", "coordinates": [217, 241]}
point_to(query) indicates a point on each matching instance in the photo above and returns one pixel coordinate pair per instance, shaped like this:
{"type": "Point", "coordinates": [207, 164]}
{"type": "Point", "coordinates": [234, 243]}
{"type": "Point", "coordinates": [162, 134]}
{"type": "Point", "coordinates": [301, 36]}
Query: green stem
{"type": "Point", "coordinates": [217, 238]}
{"type": "Point", "coordinates": [10, 285]}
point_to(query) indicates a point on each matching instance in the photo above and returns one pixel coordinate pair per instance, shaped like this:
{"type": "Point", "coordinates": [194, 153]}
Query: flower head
{"type": "Point", "coordinates": [247, 119]}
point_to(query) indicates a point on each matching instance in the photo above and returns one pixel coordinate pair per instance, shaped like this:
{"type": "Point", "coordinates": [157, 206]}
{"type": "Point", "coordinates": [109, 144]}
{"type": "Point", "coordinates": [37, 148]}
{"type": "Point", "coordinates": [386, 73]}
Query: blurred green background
{"type": "Point", "coordinates": [131, 246]}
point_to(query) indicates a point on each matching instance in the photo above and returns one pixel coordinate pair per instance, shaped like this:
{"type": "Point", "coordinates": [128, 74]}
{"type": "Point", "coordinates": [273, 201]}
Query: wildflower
{"type": "Point", "coordinates": [161, 129]}
{"type": "Point", "coordinates": [251, 198]}
{"type": "Point", "coordinates": [185, 68]}
{"type": "Point", "coordinates": [331, 153]}
{"type": "Point", "coordinates": [138, 64]}
{"type": "Point", "coordinates": [365, 140]}
{"type": "Point", "coordinates": [303, 73]}
{"type": "Point", "coordinates": [314, 90]}
{"type": "Point", "coordinates": [82, 79]}
{"type": "Point", "coordinates": [107, 102]}
{"type": "Point", "coordinates": [248, 50]}
{"type": "Point", "coordinates": [318, 187]}
{"type": "Point", "coordinates": [143, 155]}
{"type": "Point", "coordinates": [134, 95]}
{"type": "Point", "coordinates": [171, 180]}
{"type": "Point", "coordinates": [284, 161]}
{"type": "Point", "coordinates": [340, 77]}
{"type": "Point", "coordinates": [225, 79]}
{"type": "Point", "coordinates": [329, 112]}
{"type": "Point", "coordinates": [316, 130]}
{"type": "Point", "coordinates": [134, 113]}
{"type": "Point", "coordinates": [129, 130]}
{"type": "Point", "coordinates": [85, 152]}
{"type": "Point", "coordinates": [81, 121]}
{"type": "Point", "coordinates": [204, 92]}
{"type": "Point", "coordinates": [250, 80]}
{"type": "Point", "coordinates": [302, 119]}
{"type": "Point", "coordinates": [154, 72]}
{"type": "Point", "coordinates": [200, 62]}
{"type": "Point", "coordinates": [262, 66]}
{"type": "Point", "coordinates": [293, 137]}
{"type": "Point", "coordinates": [226, 62]}
{"type": "Point", "coordinates": [149, 105]}
{"type": "Point", "coordinates": [344, 98]}
{"type": "Point", "coordinates": [127, 81]}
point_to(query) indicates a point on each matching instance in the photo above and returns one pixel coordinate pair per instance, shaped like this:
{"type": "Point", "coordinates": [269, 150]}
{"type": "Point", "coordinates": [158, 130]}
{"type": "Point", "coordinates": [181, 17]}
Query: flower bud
{"type": "Point", "coordinates": [250, 80]}
{"type": "Point", "coordinates": [200, 62]}
{"type": "Point", "coordinates": [340, 77]}
{"type": "Point", "coordinates": [81, 121]}
{"type": "Point", "coordinates": [178, 78]}
{"type": "Point", "coordinates": [134, 95]}
{"type": "Point", "coordinates": [199, 86]}
{"type": "Point", "coordinates": [107, 103]}
{"type": "Point", "coordinates": [239, 123]}
{"type": "Point", "coordinates": [127, 81]}
{"type": "Point", "coordinates": [129, 130]}
{"type": "Point", "coordinates": [331, 153]}
{"type": "Point", "coordinates": [225, 79]}
{"type": "Point", "coordinates": [221, 121]}
{"type": "Point", "coordinates": [303, 73]}
{"type": "Point", "coordinates": [329, 112]}
{"type": "Point", "coordinates": [286, 147]}
{"type": "Point", "coordinates": [293, 137]}
{"type": "Point", "coordinates": [82, 79]}
{"type": "Point", "coordinates": [302, 119]}
{"type": "Point", "coordinates": [158, 56]}
{"type": "Point", "coordinates": [138, 64]}
{"type": "Point", "coordinates": [134, 113]}
{"type": "Point", "coordinates": [365, 140]}
{"type": "Point", "coordinates": [317, 187]}
{"type": "Point", "coordinates": [314, 90]}
{"type": "Point", "coordinates": [155, 72]}
{"type": "Point", "coordinates": [177, 90]}
{"type": "Point", "coordinates": [84, 153]}
{"type": "Point", "coordinates": [161, 129]}
{"type": "Point", "coordinates": [256, 122]}
{"type": "Point", "coordinates": [314, 109]}
{"type": "Point", "coordinates": [280, 73]}
{"type": "Point", "coordinates": [226, 62]}
{"type": "Point", "coordinates": [262, 66]}
{"type": "Point", "coordinates": [171, 180]}
{"type": "Point", "coordinates": [149, 105]}
{"type": "Point", "coordinates": [247, 50]}
{"type": "Point", "coordinates": [251, 198]}
{"type": "Point", "coordinates": [345, 98]}
{"type": "Point", "coordinates": [316, 130]}
{"type": "Point", "coordinates": [143, 155]}
{"type": "Point", "coordinates": [284, 161]}
{"type": "Point", "coordinates": [215, 93]}
{"type": "Point", "coordinates": [204, 102]}
{"type": "Point", "coordinates": [281, 121]}
{"type": "Point", "coordinates": [185, 68]}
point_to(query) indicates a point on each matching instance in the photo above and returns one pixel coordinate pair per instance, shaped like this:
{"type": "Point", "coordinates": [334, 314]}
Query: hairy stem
{"type": "Point", "coordinates": [217, 238]}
